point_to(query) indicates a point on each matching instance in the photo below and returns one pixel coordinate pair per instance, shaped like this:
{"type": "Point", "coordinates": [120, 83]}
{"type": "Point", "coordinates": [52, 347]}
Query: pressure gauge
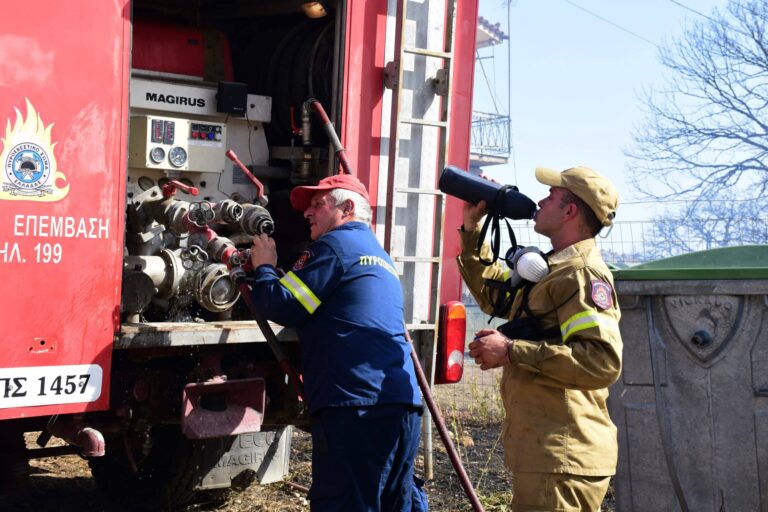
{"type": "Point", "coordinates": [157, 154]}
{"type": "Point", "coordinates": [177, 156]}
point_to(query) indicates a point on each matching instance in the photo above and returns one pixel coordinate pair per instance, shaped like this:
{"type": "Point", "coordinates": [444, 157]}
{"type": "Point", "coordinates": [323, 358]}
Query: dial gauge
{"type": "Point", "coordinates": [177, 156]}
{"type": "Point", "coordinates": [157, 154]}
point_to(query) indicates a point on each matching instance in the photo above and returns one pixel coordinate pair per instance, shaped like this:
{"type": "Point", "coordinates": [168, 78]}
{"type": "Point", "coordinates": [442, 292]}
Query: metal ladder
{"type": "Point", "coordinates": [426, 329]}
{"type": "Point", "coordinates": [398, 173]}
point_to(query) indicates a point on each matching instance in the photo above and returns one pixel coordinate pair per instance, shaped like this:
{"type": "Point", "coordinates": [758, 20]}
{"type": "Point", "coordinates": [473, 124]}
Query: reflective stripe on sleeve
{"type": "Point", "coordinates": [579, 322]}
{"type": "Point", "coordinates": [301, 291]}
{"type": "Point", "coordinates": [505, 277]}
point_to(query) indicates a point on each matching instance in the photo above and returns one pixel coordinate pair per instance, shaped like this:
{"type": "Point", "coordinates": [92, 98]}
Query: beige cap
{"type": "Point", "coordinates": [588, 185]}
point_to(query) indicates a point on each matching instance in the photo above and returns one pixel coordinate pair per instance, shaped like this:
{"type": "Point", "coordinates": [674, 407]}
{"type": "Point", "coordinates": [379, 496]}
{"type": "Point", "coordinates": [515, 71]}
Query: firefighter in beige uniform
{"type": "Point", "coordinates": [559, 440]}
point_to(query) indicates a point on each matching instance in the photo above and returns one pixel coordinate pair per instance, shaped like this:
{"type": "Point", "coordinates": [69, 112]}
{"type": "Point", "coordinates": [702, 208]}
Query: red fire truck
{"type": "Point", "coordinates": [121, 330]}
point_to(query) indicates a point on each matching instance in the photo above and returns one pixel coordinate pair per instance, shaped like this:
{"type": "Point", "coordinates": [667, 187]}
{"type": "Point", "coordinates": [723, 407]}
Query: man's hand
{"type": "Point", "coordinates": [263, 251]}
{"type": "Point", "coordinates": [473, 213]}
{"type": "Point", "coordinates": [489, 349]}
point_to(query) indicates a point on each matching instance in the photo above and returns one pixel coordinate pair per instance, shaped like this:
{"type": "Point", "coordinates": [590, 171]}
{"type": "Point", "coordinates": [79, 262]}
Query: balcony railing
{"type": "Point", "coordinates": [490, 134]}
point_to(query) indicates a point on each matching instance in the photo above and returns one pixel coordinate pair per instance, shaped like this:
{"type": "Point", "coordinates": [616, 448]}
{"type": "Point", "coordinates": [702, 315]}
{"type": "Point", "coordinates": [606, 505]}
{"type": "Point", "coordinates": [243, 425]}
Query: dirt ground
{"type": "Point", "coordinates": [64, 484]}
{"type": "Point", "coordinates": [473, 415]}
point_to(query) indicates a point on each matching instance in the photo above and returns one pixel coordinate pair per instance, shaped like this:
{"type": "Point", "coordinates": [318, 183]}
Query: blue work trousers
{"type": "Point", "coordinates": [362, 460]}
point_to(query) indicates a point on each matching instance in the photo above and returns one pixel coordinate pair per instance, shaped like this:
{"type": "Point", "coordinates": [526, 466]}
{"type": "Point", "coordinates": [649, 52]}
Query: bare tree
{"type": "Point", "coordinates": [707, 225]}
{"type": "Point", "coordinates": [706, 130]}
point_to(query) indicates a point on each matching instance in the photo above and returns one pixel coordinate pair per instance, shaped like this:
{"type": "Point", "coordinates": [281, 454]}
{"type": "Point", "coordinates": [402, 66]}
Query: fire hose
{"type": "Point", "coordinates": [237, 262]}
{"type": "Point", "coordinates": [269, 334]}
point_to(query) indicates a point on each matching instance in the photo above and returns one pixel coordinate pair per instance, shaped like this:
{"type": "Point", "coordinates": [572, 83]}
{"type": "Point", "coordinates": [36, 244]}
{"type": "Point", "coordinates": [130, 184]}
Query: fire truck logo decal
{"type": "Point", "coordinates": [29, 166]}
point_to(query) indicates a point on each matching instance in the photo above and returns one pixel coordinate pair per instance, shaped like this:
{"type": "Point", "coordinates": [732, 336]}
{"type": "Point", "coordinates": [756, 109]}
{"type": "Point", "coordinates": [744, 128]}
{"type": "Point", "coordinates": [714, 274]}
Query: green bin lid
{"type": "Point", "coordinates": [742, 262]}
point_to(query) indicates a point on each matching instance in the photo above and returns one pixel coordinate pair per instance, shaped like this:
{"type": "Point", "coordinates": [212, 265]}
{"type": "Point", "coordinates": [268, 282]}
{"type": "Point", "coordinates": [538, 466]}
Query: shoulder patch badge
{"type": "Point", "coordinates": [299, 264]}
{"type": "Point", "coordinates": [602, 294]}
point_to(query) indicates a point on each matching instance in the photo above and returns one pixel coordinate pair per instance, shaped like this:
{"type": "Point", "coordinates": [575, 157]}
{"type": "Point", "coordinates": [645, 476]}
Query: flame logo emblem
{"type": "Point", "coordinates": [29, 165]}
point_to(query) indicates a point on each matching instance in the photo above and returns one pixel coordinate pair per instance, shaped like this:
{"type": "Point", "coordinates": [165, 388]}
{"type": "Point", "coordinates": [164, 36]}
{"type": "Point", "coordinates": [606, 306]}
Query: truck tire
{"type": "Point", "coordinates": [14, 466]}
{"type": "Point", "coordinates": [167, 474]}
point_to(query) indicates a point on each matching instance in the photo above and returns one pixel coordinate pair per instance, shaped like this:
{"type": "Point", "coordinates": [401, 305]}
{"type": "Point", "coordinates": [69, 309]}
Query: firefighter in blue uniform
{"type": "Point", "coordinates": [344, 298]}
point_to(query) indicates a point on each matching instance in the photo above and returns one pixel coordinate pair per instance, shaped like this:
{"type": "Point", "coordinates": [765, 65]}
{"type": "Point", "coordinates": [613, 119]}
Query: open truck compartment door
{"type": "Point", "coordinates": [62, 123]}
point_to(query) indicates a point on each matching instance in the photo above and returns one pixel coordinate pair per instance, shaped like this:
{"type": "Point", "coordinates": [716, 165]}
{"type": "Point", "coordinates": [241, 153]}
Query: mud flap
{"type": "Point", "coordinates": [238, 461]}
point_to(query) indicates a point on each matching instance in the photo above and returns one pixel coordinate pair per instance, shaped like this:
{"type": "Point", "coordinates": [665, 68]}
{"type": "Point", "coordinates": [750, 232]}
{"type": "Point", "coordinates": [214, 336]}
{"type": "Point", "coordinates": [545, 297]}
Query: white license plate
{"type": "Point", "coordinates": [49, 385]}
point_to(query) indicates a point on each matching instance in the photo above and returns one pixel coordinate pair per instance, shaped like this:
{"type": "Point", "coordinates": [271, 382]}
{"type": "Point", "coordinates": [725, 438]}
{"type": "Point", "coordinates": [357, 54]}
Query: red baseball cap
{"type": "Point", "coordinates": [301, 197]}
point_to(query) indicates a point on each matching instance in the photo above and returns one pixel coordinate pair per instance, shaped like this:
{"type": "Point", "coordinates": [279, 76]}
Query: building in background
{"type": "Point", "coordinates": [491, 134]}
{"type": "Point", "coordinates": [491, 142]}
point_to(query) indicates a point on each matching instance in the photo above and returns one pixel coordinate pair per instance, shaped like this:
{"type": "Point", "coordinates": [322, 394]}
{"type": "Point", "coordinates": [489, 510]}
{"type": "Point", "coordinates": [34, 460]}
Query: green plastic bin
{"type": "Point", "coordinates": [691, 405]}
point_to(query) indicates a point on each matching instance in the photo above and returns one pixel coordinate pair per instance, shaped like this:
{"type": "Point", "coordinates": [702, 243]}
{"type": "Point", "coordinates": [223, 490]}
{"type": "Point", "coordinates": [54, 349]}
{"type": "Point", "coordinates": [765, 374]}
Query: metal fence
{"type": "Point", "coordinates": [490, 134]}
{"type": "Point", "coordinates": [626, 244]}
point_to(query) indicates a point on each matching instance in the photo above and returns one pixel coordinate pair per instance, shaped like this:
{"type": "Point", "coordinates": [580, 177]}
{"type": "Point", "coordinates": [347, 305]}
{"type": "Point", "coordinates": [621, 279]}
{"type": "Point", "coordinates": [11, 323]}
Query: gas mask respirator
{"type": "Point", "coordinates": [526, 264]}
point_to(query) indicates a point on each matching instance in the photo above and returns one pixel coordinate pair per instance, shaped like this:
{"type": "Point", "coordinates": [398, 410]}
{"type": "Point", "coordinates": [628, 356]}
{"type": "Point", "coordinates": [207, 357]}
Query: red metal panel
{"type": "Point", "coordinates": [363, 89]}
{"type": "Point", "coordinates": [169, 48]}
{"type": "Point", "coordinates": [63, 116]}
{"type": "Point", "coordinates": [458, 146]}
{"type": "Point", "coordinates": [243, 411]}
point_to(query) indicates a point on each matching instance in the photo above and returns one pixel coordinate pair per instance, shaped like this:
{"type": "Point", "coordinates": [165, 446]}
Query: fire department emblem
{"type": "Point", "coordinates": [601, 294]}
{"type": "Point", "coordinates": [29, 166]}
{"type": "Point", "coordinates": [302, 260]}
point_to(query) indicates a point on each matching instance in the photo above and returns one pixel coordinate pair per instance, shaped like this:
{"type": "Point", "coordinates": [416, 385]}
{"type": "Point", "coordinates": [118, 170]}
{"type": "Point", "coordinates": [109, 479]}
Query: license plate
{"type": "Point", "coordinates": [49, 385]}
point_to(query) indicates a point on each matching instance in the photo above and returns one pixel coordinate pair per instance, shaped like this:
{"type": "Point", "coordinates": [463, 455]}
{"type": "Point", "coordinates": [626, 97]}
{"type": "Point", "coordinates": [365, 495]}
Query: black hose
{"type": "Point", "coordinates": [272, 341]}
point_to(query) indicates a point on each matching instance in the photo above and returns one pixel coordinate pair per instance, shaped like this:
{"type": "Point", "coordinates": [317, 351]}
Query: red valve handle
{"type": "Point", "coordinates": [169, 189]}
{"type": "Point", "coordinates": [259, 187]}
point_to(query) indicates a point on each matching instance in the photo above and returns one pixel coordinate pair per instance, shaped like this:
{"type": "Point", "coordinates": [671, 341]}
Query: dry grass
{"type": "Point", "coordinates": [473, 414]}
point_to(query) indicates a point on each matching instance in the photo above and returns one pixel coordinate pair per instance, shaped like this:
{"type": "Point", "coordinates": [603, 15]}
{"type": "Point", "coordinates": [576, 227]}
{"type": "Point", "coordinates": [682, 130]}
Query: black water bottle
{"type": "Point", "coordinates": [472, 189]}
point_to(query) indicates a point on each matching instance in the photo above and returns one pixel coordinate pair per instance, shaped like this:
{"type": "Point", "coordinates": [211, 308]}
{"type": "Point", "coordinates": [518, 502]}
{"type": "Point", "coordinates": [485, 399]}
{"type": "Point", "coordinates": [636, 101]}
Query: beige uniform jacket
{"type": "Point", "coordinates": [555, 391]}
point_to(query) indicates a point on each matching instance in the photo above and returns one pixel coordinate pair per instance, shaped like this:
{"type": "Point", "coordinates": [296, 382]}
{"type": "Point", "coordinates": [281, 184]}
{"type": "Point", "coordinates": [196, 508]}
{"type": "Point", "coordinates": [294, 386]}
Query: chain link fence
{"type": "Point", "coordinates": [626, 244]}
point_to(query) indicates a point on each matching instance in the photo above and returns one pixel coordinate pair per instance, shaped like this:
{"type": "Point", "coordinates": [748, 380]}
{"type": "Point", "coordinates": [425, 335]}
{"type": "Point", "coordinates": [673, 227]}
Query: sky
{"type": "Point", "coordinates": [575, 83]}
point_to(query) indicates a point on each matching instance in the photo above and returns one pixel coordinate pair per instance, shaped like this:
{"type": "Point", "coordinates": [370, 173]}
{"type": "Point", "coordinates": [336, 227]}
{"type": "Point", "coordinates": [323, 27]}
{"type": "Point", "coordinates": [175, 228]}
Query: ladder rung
{"type": "Point", "coordinates": [417, 259]}
{"type": "Point", "coordinates": [421, 327]}
{"type": "Point", "coordinates": [426, 122]}
{"type": "Point", "coordinates": [428, 53]}
{"type": "Point", "coordinates": [428, 191]}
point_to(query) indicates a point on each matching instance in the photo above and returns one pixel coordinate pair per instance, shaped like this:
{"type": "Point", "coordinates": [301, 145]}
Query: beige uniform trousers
{"type": "Point", "coordinates": [558, 492]}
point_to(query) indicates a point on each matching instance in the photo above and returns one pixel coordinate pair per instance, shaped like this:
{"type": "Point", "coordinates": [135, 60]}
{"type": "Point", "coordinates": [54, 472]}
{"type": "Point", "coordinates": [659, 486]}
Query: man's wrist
{"type": "Point", "coordinates": [510, 345]}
